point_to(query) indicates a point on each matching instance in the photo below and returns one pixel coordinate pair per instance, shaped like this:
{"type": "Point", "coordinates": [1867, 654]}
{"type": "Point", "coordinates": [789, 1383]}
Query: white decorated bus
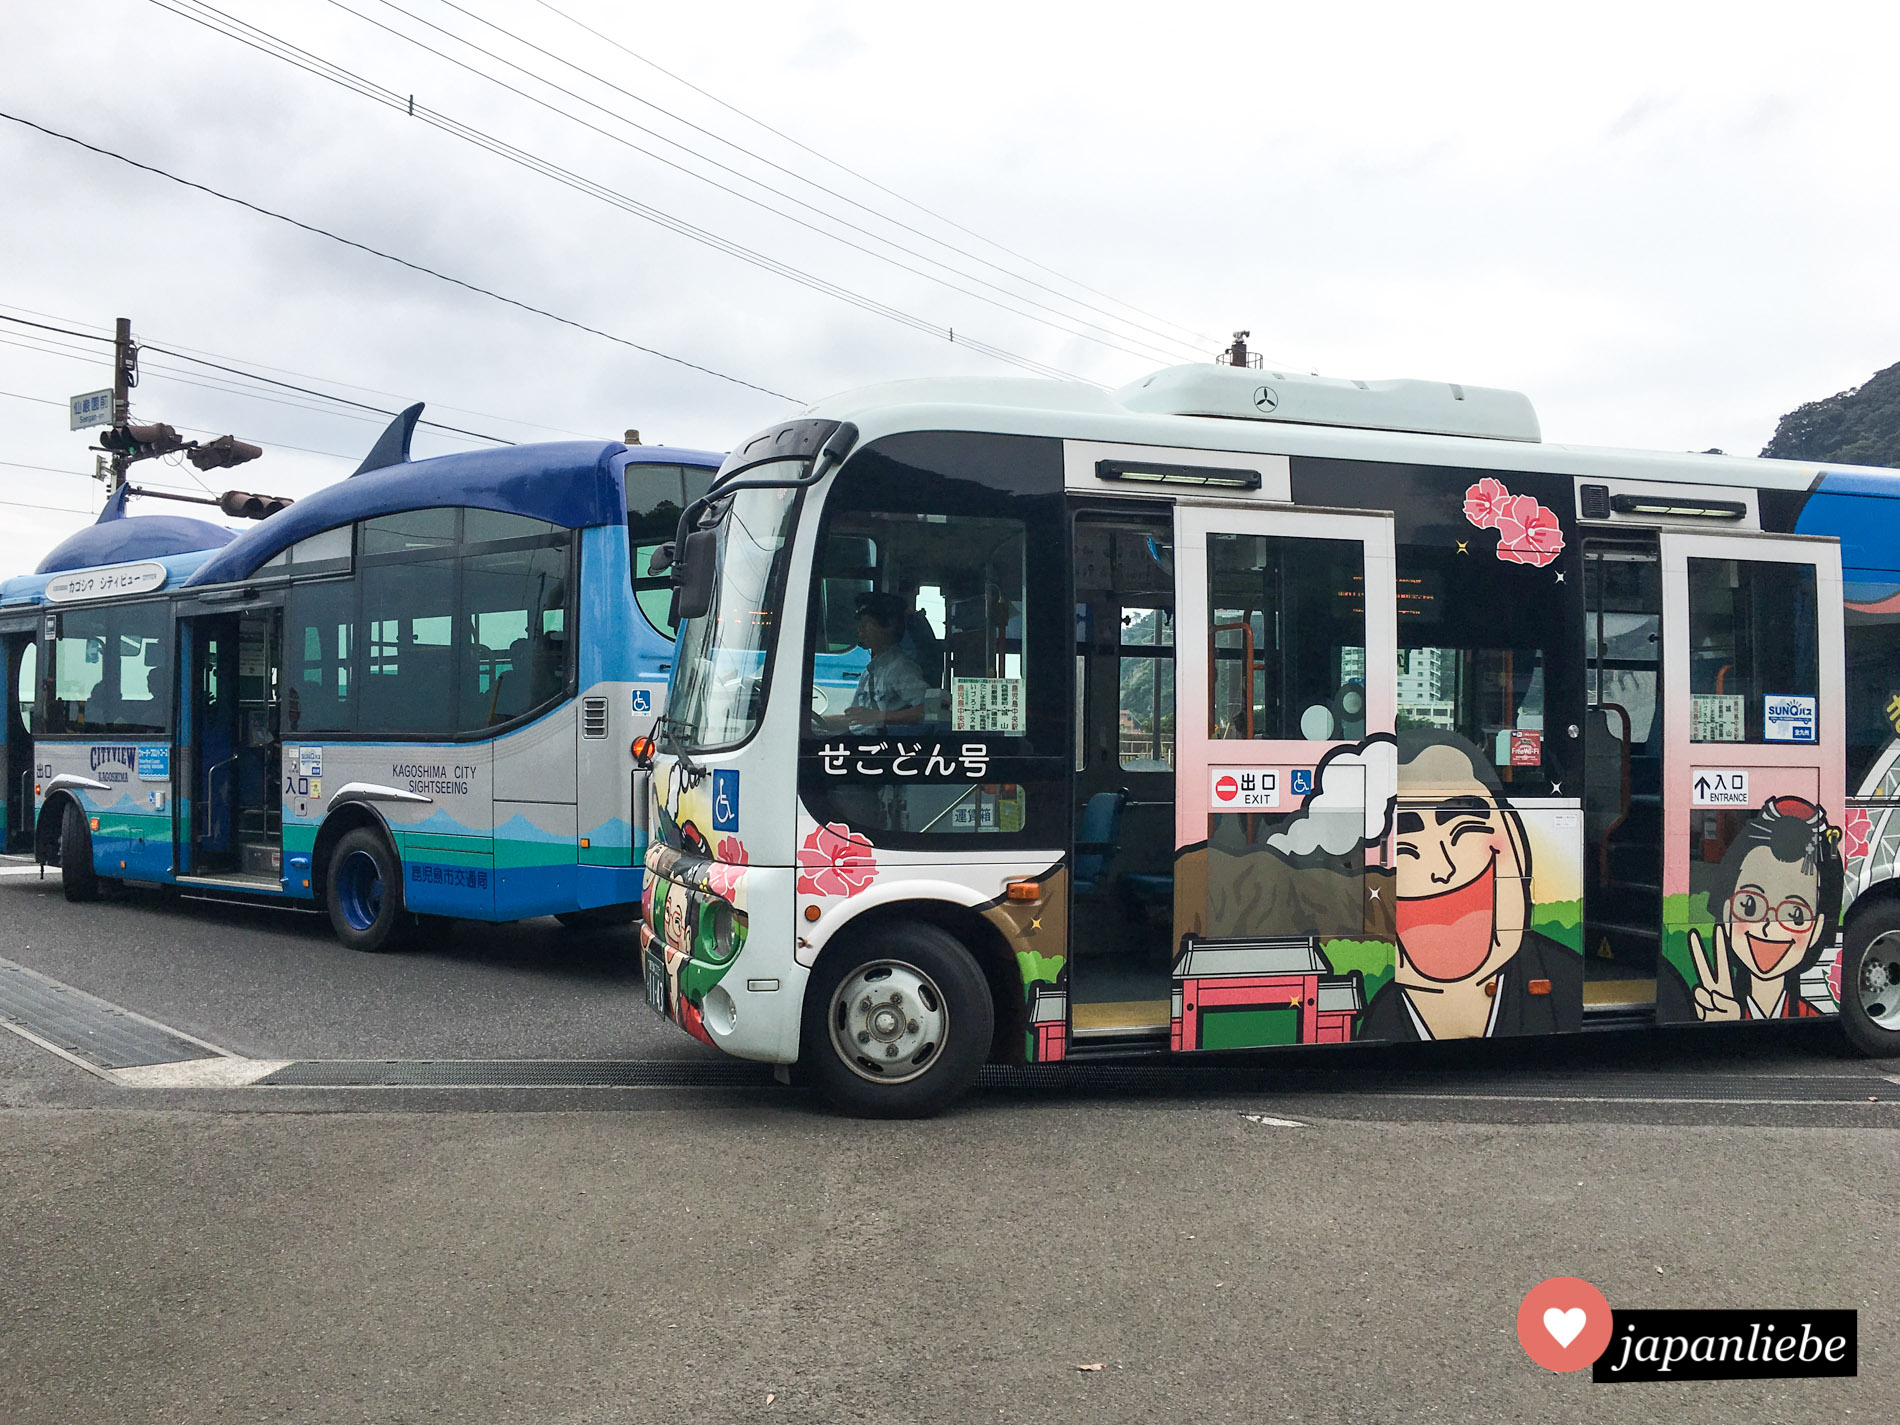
{"type": "Point", "coordinates": [1239, 709]}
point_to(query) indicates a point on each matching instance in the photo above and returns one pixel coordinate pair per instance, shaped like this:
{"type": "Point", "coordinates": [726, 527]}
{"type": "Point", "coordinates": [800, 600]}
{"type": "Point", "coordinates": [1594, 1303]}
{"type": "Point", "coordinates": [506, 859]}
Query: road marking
{"type": "Point", "coordinates": [26, 870]}
{"type": "Point", "coordinates": [1268, 1121]}
{"type": "Point", "coordinates": [230, 1072]}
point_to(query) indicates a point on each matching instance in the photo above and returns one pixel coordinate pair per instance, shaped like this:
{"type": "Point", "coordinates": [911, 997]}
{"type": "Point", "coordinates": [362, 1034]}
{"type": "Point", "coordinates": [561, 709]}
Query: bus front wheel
{"type": "Point", "coordinates": [897, 1022]}
{"type": "Point", "coordinates": [363, 889]}
{"type": "Point", "coordinates": [1870, 982]}
{"type": "Point", "coordinates": [77, 874]}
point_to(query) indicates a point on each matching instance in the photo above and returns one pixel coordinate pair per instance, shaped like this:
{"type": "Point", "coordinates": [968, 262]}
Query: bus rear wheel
{"type": "Point", "coordinates": [897, 1023]}
{"type": "Point", "coordinates": [363, 889]}
{"type": "Point", "coordinates": [77, 874]}
{"type": "Point", "coordinates": [1870, 982]}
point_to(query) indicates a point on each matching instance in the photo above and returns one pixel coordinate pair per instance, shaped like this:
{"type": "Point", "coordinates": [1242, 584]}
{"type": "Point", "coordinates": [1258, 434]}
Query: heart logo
{"type": "Point", "coordinates": [1564, 1326]}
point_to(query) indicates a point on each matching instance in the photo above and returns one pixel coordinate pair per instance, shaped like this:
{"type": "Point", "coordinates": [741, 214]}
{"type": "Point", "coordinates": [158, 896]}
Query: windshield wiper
{"type": "Point", "coordinates": [671, 740]}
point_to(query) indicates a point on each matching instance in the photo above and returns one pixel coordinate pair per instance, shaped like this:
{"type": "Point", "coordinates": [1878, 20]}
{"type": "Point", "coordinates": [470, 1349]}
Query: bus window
{"type": "Point", "coordinates": [112, 671]}
{"type": "Point", "coordinates": [516, 602]}
{"type": "Point", "coordinates": [409, 662]}
{"type": "Point", "coordinates": [1146, 713]}
{"type": "Point", "coordinates": [1752, 639]}
{"type": "Point", "coordinates": [27, 690]}
{"type": "Point", "coordinates": [656, 494]}
{"type": "Point", "coordinates": [318, 628]}
{"type": "Point", "coordinates": [933, 605]}
{"type": "Point", "coordinates": [1288, 637]}
{"type": "Point", "coordinates": [1873, 689]}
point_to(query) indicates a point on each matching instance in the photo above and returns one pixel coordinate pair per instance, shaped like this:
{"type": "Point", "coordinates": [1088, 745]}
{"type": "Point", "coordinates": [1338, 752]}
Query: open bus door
{"type": "Point", "coordinates": [19, 655]}
{"type": "Point", "coordinates": [228, 774]}
{"type": "Point", "coordinates": [1286, 696]}
{"type": "Point", "coordinates": [1753, 784]}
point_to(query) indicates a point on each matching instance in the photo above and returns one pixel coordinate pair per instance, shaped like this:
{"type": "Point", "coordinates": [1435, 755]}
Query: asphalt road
{"type": "Point", "coordinates": [1348, 1242]}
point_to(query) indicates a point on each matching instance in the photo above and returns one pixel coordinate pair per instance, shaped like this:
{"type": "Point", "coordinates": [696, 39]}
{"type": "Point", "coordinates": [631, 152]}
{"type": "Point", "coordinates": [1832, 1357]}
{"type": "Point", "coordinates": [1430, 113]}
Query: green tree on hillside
{"type": "Point", "coordinates": [1858, 426]}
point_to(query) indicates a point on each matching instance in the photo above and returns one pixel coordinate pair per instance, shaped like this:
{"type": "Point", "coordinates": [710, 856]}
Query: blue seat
{"type": "Point", "coordinates": [1096, 842]}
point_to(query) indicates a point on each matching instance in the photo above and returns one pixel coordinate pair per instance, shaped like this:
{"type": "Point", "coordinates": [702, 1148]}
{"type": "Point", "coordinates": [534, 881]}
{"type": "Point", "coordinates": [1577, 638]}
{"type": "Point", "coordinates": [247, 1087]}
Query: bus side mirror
{"type": "Point", "coordinates": [660, 560]}
{"type": "Point", "coordinates": [693, 574]}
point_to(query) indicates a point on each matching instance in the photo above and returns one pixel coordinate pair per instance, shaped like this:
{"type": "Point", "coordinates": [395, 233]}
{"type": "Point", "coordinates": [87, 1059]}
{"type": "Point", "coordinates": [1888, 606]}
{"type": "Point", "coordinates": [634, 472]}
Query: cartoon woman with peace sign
{"type": "Point", "coordinates": [1775, 898]}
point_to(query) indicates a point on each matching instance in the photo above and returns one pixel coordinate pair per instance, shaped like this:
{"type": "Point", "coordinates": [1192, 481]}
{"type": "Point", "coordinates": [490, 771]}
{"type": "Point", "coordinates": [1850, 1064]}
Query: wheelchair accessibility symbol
{"type": "Point", "coordinates": [643, 700]}
{"type": "Point", "coordinates": [1302, 781]}
{"type": "Point", "coordinates": [725, 799]}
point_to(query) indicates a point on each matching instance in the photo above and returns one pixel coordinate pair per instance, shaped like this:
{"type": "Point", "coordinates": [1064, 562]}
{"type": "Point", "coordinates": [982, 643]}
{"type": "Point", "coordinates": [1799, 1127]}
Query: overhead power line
{"type": "Point", "coordinates": [1110, 337]}
{"type": "Point", "coordinates": [401, 398]}
{"type": "Point", "coordinates": [391, 257]}
{"type": "Point", "coordinates": [852, 172]}
{"type": "Point", "coordinates": [253, 376]}
{"type": "Point", "coordinates": [266, 43]}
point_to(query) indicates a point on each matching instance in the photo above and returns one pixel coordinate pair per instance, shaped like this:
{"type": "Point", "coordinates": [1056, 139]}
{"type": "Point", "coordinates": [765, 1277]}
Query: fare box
{"type": "Point", "coordinates": [1243, 788]}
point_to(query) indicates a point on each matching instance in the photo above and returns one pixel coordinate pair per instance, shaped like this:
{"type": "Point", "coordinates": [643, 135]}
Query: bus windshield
{"type": "Point", "coordinates": [719, 683]}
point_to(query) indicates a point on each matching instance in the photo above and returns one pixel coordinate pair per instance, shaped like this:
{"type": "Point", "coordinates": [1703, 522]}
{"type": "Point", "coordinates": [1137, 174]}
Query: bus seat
{"type": "Point", "coordinates": [1096, 841]}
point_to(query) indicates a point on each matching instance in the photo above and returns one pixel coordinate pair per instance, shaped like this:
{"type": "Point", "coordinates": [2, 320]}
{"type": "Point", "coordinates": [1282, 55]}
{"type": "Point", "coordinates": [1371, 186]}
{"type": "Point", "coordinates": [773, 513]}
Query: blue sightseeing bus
{"type": "Point", "coordinates": [412, 694]}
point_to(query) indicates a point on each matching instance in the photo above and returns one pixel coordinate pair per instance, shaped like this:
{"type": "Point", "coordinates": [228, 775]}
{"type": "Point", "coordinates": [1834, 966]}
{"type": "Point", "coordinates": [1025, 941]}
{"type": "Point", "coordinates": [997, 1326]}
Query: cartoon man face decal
{"type": "Point", "coordinates": [1468, 962]}
{"type": "Point", "coordinates": [1463, 879]}
{"type": "Point", "coordinates": [1773, 900]}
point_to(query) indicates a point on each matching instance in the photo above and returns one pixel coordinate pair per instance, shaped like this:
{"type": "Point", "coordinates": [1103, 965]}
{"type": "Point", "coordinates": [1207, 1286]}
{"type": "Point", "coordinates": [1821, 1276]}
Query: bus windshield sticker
{"type": "Point", "coordinates": [309, 761]}
{"type": "Point", "coordinates": [1716, 717]}
{"type": "Point", "coordinates": [1527, 532]}
{"type": "Point", "coordinates": [1787, 719]}
{"type": "Point", "coordinates": [987, 705]}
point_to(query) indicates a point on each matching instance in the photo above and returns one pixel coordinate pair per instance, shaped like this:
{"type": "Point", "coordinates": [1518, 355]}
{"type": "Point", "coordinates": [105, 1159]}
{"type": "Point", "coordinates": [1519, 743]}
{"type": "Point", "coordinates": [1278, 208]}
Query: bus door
{"type": "Point", "coordinates": [1753, 783]}
{"type": "Point", "coordinates": [234, 756]}
{"type": "Point", "coordinates": [21, 663]}
{"type": "Point", "coordinates": [1122, 898]}
{"type": "Point", "coordinates": [1623, 772]}
{"type": "Point", "coordinates": [1286, 693]}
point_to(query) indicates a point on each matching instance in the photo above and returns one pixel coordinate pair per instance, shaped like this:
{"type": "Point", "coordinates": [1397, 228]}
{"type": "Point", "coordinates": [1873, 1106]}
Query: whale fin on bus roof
{"type": "Point", "coordinates": [392, 446]}
{"type": "Point", "coordinates": [115, 505]}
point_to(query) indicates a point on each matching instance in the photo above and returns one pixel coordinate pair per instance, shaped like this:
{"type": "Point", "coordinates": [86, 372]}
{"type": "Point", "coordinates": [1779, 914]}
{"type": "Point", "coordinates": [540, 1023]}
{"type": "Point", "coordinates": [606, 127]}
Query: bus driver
{"type": "Point", "coordinates": [891, 689]}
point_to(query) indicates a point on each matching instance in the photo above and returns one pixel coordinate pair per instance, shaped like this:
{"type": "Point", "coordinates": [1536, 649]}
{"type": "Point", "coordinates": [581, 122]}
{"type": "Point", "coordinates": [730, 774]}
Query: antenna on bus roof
{"type": "Point", "coordinates": [392, 446]}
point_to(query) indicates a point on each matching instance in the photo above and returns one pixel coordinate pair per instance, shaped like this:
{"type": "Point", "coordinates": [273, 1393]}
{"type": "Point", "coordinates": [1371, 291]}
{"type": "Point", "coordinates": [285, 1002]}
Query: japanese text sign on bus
{"type": "Point", "coordinates": [1243, 788]}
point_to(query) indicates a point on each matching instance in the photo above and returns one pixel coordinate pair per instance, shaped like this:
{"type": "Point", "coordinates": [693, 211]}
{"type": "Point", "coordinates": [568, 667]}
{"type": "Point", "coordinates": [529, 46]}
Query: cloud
{"type": "Point", "coordinates": [1351, 805]}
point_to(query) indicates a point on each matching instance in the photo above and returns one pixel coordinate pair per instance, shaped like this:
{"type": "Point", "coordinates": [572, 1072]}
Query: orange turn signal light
{"type": "Point", "coordinates": [1025, 890]}
{"type": "Point", "coordinates": [1538, 987]}
{"type": "Point", "coordinates": [643, 749]}
{"type": "Point", "coordinates": [812, 912]}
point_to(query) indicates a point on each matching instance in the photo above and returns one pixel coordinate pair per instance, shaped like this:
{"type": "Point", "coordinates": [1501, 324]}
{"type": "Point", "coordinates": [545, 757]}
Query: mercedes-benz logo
{"type": "Point", "coordinates": [1266, 398]}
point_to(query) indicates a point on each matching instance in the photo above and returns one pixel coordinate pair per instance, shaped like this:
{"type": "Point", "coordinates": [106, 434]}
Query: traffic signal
{"type": "Point", "coordinates": [225, 451]}
{"type": "Point", "coordinates": [141, 442]}
{"type": "Point", "coordinates": [243, 505]}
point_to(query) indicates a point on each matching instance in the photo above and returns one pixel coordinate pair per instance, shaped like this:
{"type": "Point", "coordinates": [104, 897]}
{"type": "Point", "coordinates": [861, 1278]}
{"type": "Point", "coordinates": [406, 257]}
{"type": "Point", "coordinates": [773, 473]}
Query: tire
{"type": "Point", "coordinates": [1870, 982]}
{"type": "Point", "coordinates": [604, 917]}
{"type": "Point", "coordinates": [363, 889]}
{"type": "Point", "coordinates": [866, 1060]}
{"type": "Point", "coordinates": [76, 871]}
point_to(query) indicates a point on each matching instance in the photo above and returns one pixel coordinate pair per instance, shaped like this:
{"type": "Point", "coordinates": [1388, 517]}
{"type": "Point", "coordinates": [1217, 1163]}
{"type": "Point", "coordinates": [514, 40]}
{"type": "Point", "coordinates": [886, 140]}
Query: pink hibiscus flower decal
{"type": "Point", "coordinates": [1484, 500]}
{"type": "Point", "coordinates": [835, 861]}
{"type": "Point", "coordinates": [1528, 533]}
{"type": "Point", "coordinates": [1834, 977]}
{"type": "Point", "coordinates": [725, 875]}
{"type": "Point", "coordinates": [1854, 833]}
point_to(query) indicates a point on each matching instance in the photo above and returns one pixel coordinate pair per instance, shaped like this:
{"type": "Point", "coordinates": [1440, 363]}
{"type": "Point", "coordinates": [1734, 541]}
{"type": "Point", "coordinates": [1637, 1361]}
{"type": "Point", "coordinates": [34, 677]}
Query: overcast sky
{"type": "Point", "coordinates": [1666, 224]}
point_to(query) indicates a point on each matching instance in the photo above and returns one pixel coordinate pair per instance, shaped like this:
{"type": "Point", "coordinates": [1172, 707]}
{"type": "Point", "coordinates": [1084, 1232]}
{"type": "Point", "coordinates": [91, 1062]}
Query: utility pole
{"type": "Point", "coordinates": [125, 442]}
{"type": "Point", "coordinates": [125, 375]}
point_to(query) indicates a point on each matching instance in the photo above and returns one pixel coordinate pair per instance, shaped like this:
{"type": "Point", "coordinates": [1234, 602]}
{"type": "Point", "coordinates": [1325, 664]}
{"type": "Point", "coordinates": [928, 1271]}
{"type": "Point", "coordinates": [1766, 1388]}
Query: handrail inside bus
{"type": "Point", "coordinates": [1246, 665]}
{"type": "Point", "coordinates": [1603, 841]}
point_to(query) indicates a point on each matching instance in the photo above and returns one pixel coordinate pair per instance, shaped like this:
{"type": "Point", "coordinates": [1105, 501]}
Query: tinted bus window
{"type": "Point", "coordinates": [27, 692]}
{"type": "Point", "coordinates": [112, 671]}
{"type": "Point", "coordinates": [1288, 637]}
{"type": "Point", "coordinates": [1752, 642]}
{"type": "Point", "coordinates": [409, 674]}
{"type": "Point", "coordinates": [515, 606]}
{"type": "Point", "coordinates": [656, 494]}
{"type": "Point", "coordinates": [1873, 690]}
{"type": "Point", "coordinates": [319, 628]}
